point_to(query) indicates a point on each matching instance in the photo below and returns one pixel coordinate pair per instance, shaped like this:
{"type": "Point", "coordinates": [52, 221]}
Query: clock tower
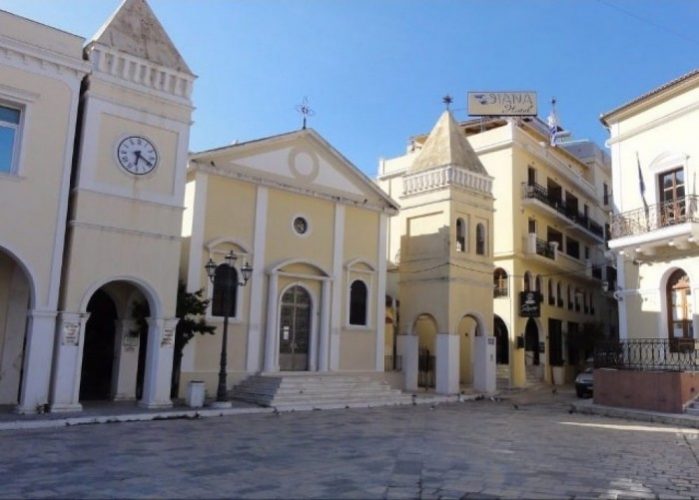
{"type": "Point", "coordinates": [115, 332]}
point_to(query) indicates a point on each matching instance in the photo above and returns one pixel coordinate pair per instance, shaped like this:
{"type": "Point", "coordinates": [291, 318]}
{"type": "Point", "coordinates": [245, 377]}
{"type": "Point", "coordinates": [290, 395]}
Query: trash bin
{"type": "Point", "coordinates": [195, 394]}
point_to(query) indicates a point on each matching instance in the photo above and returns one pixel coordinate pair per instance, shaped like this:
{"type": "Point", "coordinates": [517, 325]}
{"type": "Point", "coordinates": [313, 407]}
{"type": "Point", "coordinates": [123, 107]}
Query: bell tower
{"type": "Point", "coordinates": [446, 263]}
{"type": "Point", "coordinates": [127, 195]}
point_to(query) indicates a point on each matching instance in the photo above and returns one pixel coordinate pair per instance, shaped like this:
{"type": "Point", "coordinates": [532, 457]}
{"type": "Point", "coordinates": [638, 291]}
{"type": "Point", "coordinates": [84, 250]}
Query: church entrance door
{"type": "Point", "coordinates": [295, 329]}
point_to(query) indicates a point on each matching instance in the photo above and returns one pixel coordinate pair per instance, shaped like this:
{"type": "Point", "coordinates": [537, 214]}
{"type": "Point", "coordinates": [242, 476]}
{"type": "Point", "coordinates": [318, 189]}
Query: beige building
{"type": "Point", "coordinates": [313, 228]}
{"type": "Point", "coordinates": [546, 237]}
{"type": "Point", "coordinates": [655, 226]}
{"type": "Point", "coordinates": [77, 290]}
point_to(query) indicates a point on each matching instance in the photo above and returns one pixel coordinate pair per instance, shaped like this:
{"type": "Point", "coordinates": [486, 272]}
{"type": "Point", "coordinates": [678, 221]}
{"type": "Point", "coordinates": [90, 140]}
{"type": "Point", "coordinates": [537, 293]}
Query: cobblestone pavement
{"type": "Point", "coordinates": [527, 445]}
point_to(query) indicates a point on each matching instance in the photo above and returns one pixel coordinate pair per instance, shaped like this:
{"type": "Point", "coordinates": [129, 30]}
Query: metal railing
{"type": "Point", "coordinates": [545, 249]}
{"type": "Point", "coordinates": [538, 192]}
{"type": "Point", "coordinates": [500, 291]}
{"type": "Point", "coordinates": [392, 363]}
{"type": "Point", "coordinates": [643, 220]}
{"type": "Point", "coordinates": [675, 355]}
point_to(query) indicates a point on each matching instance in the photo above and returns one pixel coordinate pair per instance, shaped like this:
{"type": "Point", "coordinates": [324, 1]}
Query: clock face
{"type": "Point", "coordinates": [137, 155]}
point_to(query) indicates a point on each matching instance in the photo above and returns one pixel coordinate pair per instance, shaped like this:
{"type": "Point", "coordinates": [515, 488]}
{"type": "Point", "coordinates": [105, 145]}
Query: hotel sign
{"type": "Point", "coordinates": [502, 103]}
{"type": "Point", "coordinates": [530, 304]}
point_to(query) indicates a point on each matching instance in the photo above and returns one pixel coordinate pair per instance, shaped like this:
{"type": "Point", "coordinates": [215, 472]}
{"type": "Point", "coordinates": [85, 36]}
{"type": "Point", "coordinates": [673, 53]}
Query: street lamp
{"type": "Point", "coordinates": [229, 285]}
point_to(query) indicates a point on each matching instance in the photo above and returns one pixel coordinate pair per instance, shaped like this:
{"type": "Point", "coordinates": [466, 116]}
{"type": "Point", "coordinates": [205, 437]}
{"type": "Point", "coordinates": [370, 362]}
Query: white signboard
{"type": "Point", "coordinates": [502, 103]}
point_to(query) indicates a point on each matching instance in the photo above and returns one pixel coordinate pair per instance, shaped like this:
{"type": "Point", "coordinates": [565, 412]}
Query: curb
{"type": "Point", "coordinates": [679, 420]}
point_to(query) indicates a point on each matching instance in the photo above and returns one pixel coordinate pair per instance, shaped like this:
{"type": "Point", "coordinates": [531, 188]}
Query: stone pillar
{"type": "Point", "coordinates": [408, 346]}
{"type": "Point", "coordinates": [484, 373]}
{"type": "Point", "coordinates": [158, 370]}
{"type": "Point", "coordinates": [68, 360]}
{"type": "Point", "coordinates": [447, 370]}
{"type": "Point", "coordinates": [38, 351]}
{"type": "Point", "coordinates": [126, 347]}
{"type": "Point", "coordinates": [323, 352]}
{"type": "Point", "coordinates": [271, 348]}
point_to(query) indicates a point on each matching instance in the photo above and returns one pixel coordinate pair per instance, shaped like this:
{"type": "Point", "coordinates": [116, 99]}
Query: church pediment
{"type": "Point", "coordinates": [302, 161]}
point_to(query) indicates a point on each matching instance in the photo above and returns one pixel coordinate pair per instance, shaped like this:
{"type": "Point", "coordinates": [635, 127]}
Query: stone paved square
{"type": "Point", "coordinates": [476, 449]}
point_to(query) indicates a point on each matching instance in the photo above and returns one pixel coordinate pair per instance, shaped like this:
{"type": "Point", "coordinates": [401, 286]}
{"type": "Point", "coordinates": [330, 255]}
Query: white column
{"type": "Point", "coordinates": [408, 346]}
{"type": "Point", "coordinates": [126, 347]}
{"type": "Point", "coordinates": [338, 287]}
{"type": "Point", "coordinates": [196, 241]}
{"type": "Point", "coordinates": [621, 305]}
{"type": "Point", "coordinates": [323, 354]}
{"type": "Point", "coordinates": [252, 359]}
{"type": "Point", "coordinates": [65, 388]}
{"type": "Point", "coordinates": [271, 364]}
{"type": "Point", "coordinates": [381, 292]}
{"type": "Point", "coordinates": [158, 371]}
{"type": "Point", "coordinates": [484, 369]}
{"type": "Point", "coordinates": [41, 327]}
{"type": "Point", "coordinates": [447, 370]}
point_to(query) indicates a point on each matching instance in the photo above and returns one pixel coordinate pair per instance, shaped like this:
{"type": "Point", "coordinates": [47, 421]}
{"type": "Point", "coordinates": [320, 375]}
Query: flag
{"type": "Point", "coordinates": [642, 188]}
{"type": "Point", "coordinates": [552, 121]}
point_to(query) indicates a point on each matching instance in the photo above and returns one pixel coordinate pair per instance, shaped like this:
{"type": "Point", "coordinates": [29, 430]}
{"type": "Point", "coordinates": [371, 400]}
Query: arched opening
{"type": "Point", "coordinates": [425, 328]}
{"type": "Point", "coordinates": [527, 282]}
{"type": "Point", "coordinates": [468, 329]}
{"type": "Point", "coordinates": [98, 350]}
{"type": "Point", "coordinates": [678, 295]}
{"type": "Point", "coordinates": [480, 239]}
{"type": "Point", "coordinates": [500, 283]}
{"type": "Point", "coordinates": [358, 303]}
{"type": "Point", "coordinates": [115, 343]}
{"type": "Point", "coordinates": [537, 284]}
{"type": "Point", "coordinates": [531, 343]}
{"type": "Point", "coordinates": [15, 302]}
{"type": "Point", "coordinates": [551, 293]}
{"type": "Point", "coordinates": [460, 235]}
{"type": "Point", "coordinates": [391, 360]}
{"type": "Point", "coordinates": [295, 329]}
{"type": "Point", "coordinates": [502, 342]}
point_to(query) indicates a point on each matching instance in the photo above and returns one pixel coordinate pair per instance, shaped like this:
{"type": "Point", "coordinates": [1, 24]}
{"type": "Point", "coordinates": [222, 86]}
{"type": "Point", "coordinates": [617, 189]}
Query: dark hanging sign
{"type": "Point", "coordinates": [530, 304]}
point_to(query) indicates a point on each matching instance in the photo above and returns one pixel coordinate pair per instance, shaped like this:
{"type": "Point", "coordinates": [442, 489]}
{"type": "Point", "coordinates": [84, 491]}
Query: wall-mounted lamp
{"type": "Point", "coordinates": [617, 293]}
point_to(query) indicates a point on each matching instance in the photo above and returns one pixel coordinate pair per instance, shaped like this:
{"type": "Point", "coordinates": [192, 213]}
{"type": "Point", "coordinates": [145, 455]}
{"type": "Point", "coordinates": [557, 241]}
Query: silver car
{"type": "Point", "coordinates": [583, 383]}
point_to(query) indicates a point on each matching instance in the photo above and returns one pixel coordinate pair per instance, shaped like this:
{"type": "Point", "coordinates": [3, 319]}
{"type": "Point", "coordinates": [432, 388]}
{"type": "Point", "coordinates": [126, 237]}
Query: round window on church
{"type": "Point", "coordinates": [300, 225]}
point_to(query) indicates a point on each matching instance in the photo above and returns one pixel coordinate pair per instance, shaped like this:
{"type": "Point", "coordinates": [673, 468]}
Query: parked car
{"type": "Point", "coordinates": [583, 383]}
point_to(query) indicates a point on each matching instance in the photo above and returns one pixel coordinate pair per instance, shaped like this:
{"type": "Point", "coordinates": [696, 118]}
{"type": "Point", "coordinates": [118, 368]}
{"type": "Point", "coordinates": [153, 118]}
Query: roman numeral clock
{"type": "Point", "coordinates": [137, 155]}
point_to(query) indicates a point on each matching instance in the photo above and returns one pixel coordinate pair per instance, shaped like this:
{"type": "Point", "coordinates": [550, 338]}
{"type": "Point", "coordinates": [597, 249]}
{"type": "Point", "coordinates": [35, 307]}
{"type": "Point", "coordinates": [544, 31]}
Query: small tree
{"type": "Point", "coordinates": [191, 308]}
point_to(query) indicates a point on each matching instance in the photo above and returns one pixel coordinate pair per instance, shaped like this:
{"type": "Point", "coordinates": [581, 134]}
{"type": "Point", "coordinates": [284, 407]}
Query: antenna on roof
{"type": "Point", "coordinates": [305, 110]}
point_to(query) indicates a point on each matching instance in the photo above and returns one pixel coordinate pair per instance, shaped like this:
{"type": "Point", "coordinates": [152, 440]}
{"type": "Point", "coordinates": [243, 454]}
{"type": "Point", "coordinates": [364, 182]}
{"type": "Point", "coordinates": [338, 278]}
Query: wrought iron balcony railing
{"type": "Point", "coordinates": [538, 192]}
{"type": "Point", "coordinates": [545, 249]}
{"type": "Point", "coordinates": [644, 220]}
{"type": "Point", "coordinates": [500, 291]}
{"type": "Point", "coordinates": [678, 354]}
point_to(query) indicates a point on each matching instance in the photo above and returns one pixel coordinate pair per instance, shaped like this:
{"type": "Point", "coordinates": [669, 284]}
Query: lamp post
{"type": "Point", "coordinates": [228, 287]}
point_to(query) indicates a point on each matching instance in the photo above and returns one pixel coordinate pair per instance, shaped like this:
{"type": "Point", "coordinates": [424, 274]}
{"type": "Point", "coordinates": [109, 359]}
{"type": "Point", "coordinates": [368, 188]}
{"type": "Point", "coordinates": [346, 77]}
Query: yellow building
{"type": "Point", "coordinates": [73, 292]}
{"type": "Point", "coordinates": [313, 228]}
{"type": "Point", "coordinates": [550, 210]}
{"type": "Point", "coordinates": [655, 227]}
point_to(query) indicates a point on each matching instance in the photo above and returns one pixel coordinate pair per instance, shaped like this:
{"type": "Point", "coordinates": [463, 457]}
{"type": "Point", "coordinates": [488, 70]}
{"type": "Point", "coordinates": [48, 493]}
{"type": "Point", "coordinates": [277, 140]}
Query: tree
{"type": "Point", "coordinates": [191, 309]}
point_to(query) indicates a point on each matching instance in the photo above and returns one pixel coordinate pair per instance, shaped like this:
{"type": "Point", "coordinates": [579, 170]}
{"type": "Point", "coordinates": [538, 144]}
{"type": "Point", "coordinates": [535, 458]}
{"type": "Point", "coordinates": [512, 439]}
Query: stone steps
{"type": "Point", "coordinates": [293, 391]}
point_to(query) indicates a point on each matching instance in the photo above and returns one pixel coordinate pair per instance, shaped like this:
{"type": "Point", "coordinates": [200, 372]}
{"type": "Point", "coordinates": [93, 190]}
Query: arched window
{"type": "Point", "coordinates": [526, 283]}
{"type": "Point", "coordinates": [570, 297]}
{"type": "Point", "coordinates": [480, 239]}
{"type": "Point", "coordinates": [537, 284]}
{"type": "Point", "coordinates": [500, 283]}
{"type": "Point", "coordinates": [225, 291]}
{"type": "Point", "coordinates": [460, 235]}
{"type": "Point", "coordinates": [358, 303]}
{"type": "Point", "coordinates": [679, 306]}
{"type": "Point", "coordinates": [552, 293]}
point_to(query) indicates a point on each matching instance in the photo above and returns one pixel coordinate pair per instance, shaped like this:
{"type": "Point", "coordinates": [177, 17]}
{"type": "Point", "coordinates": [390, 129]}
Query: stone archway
{"type": "Point", "coordinates": [502, 341]}
{"type": "Point", "coordinates": [15, 304]}
{"type": "Point", "coordinates": [467, 330]}
{"type": "Point", "coordinates": [114, 352]}
{"type": "Point", "coordinates": [425, 327]}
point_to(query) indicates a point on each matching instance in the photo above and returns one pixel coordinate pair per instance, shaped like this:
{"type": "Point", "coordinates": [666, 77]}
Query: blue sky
{"type": "Point", "coordinates": [375, 71]}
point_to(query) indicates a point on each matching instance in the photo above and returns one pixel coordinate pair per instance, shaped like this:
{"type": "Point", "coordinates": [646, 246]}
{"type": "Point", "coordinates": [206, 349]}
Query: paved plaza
{"type": "Point", "coordinates": [526, 445]}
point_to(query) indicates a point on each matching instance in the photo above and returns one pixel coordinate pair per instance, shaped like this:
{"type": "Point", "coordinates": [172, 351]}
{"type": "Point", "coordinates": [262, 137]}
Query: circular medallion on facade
{"type": "Point", "coordinates": [304, 164]}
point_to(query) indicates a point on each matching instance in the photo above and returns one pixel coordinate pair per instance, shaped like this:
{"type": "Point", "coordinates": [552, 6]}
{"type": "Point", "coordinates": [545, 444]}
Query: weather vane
{"type": "Point", "coordinates": [447, 100]}
{"type": "Point", "coordinates": [305, 110]}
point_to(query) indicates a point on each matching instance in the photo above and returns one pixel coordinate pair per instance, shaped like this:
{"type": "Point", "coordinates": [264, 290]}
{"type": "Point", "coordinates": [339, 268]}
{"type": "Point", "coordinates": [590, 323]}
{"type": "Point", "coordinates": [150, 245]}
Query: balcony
{"type": "Point", "coordinates": [672, 223]}
{"type": "Point", "coordinates": [552, 204]}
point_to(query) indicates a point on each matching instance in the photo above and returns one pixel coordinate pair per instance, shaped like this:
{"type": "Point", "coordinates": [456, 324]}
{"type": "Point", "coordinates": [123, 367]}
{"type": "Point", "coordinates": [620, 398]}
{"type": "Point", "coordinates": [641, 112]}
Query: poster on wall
{"type": "Point", "coordinates": [529, 304]}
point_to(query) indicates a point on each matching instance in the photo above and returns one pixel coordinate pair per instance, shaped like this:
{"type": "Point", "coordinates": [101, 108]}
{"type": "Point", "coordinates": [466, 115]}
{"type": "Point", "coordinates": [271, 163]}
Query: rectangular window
{"type": "Point", "coordinates": [9, 131]}
{"type": "Point", "coordinates": [555, 342]}
{"type": "Point", "coordinates": [606, 193]}
{"type": "Point", "coordinates": [531, 176]}
{"type": "Point", "coordinates": [532, 226]}
{"type": "Point", "coordinates": [572, 247]}
{"type": "Point", "coordinates": [672, 201]}
{"type": "Point", "coordinates": [553, 235]}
